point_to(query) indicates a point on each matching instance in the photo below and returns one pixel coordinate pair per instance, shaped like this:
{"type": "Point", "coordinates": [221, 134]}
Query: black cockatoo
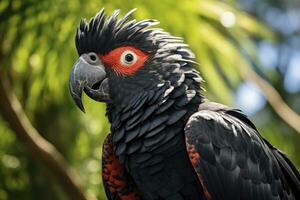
{"type": "Point", "coordinates": [167, 141]}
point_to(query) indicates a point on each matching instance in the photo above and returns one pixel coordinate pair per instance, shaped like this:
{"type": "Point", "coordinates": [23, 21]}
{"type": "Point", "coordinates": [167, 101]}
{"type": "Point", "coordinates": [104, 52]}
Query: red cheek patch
{"type": "Point", "coordinates": [113, 59]}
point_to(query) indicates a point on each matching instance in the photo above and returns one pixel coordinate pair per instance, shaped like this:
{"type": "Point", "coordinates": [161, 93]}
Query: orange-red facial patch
{"type": "Point", "coordinates": [125, 60]}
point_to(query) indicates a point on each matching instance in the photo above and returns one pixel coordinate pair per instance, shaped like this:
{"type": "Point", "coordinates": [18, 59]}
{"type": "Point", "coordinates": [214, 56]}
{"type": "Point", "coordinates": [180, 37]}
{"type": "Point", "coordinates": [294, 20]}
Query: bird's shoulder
{"type": "Point", "coordinates": [231, 155]}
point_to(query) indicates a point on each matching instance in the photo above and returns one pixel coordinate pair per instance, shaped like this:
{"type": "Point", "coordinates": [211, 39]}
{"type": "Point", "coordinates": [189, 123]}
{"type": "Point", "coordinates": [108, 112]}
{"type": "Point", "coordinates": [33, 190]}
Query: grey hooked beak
{"type": "Point", "coordinates": [88, 75]}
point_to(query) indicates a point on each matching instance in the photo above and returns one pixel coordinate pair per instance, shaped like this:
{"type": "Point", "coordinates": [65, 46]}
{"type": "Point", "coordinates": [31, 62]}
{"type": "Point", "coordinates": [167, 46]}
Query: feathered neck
{"type": "Point", "coordinates": [151, 118]}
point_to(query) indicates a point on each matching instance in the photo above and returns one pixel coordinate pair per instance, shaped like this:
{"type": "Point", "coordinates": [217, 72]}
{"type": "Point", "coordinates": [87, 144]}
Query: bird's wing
{"type": "Point", "coordinates": [232, 160]}
{"type": "Point", "coordinates": [117, 183]}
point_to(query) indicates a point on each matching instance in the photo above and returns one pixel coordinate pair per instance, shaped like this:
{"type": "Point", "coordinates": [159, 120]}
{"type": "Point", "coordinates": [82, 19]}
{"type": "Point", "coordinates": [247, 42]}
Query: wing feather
{"type": "Point", "coordinates": [235, 162]}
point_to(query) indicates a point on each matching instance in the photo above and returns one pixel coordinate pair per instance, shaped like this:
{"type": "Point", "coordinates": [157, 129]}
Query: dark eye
{"type": "Point", "coordinates": [92, 57]}
{"type": "Point", "coordinates": [128, 58]}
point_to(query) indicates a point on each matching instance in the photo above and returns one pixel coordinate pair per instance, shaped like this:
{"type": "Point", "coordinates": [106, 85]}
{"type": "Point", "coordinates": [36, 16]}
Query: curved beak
{"type": "Point", "coordinates": [88, 75]}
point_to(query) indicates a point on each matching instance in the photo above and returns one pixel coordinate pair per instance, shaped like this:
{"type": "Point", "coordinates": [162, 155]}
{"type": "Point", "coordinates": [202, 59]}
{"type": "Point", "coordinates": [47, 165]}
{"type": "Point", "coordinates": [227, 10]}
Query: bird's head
{"type": "Point", "coordinates": [121, 60]}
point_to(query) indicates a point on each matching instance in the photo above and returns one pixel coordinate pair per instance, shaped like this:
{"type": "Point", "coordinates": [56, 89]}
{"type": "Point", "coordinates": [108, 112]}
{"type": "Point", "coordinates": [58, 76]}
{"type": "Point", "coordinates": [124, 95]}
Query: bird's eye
{"type": "Point", "coordinates": [92, 58]}
{"type": "Point", "coordinates": [128, 58]}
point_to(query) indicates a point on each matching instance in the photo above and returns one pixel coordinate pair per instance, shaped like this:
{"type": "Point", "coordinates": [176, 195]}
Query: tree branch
{"type": "Point", "coordinates": [274, 99]}
{"type": "Point", "coordinates": [38, 147]}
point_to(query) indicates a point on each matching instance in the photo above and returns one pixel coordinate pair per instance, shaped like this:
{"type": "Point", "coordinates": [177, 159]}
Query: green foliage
{"type": "Point", "coordinates": [38, 51]}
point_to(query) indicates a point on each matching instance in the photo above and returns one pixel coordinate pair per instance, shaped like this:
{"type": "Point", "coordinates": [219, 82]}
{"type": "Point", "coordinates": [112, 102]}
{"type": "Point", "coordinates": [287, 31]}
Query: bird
{"type": "Point", "coordinates": [167, 141]}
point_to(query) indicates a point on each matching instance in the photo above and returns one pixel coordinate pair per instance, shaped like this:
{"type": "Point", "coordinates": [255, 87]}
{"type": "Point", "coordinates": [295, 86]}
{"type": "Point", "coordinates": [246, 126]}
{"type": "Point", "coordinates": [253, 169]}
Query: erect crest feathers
{"type": "Point", "coordinates": [102, 33]}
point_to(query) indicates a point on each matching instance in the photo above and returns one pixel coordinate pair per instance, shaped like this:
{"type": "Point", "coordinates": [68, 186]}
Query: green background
{"type": "Point", "coordinates": [37, 51]}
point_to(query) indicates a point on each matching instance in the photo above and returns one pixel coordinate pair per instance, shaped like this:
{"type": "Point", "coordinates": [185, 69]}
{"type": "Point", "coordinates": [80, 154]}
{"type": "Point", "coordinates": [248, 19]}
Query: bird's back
{"type": "Point", "coordinates": [235, 162]}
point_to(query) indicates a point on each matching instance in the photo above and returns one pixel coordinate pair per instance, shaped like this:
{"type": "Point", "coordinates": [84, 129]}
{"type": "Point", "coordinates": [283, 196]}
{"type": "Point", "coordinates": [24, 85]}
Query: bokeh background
{"type": "Point", "coordinates": [249, 55]}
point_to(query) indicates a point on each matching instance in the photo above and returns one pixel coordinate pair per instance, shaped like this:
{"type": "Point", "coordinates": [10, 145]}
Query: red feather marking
{"type": "Point", "coordinates": [130, 196]}
{"type": "Point", "coordinates": [206, 193]}
{"type": "Point", "coordinates": [112, 170]}
{"type": "Point", "coordinates": [113, 59]}
{"type": "Point", "coordinates": [113, 174]}
{"type": "Point", "coordinates": [194, 158]}
{"type": "Point", "coordinates": [193, 155]}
